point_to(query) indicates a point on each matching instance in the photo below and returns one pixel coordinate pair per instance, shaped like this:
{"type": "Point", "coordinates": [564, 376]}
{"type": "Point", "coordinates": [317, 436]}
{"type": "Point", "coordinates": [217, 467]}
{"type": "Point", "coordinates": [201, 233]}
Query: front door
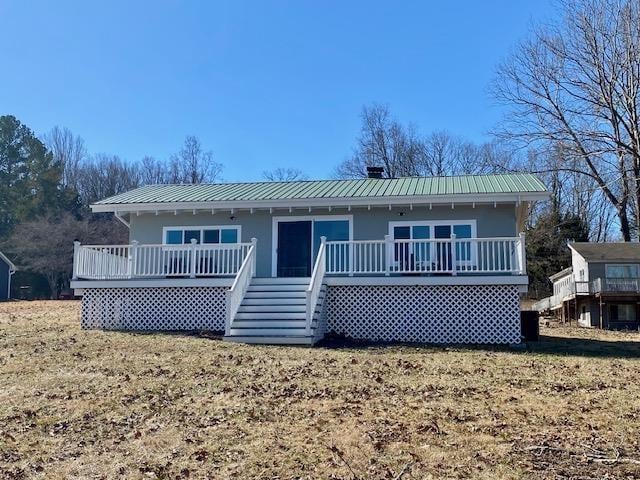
{"type": "Point", "coordinates": [294, 249]}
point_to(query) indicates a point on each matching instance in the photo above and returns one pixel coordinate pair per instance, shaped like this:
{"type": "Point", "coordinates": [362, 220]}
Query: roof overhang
{"type": "Point", "coordinates": [561, 274]}
{"type": "Point", "coordinates": [468, 199]}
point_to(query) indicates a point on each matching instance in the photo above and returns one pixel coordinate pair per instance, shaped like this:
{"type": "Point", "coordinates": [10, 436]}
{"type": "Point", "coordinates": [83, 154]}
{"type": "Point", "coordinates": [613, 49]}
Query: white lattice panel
{"type": "Point", "coordinates": [162, 308]}
{"type": "Point", "coordinates": [426, 313]}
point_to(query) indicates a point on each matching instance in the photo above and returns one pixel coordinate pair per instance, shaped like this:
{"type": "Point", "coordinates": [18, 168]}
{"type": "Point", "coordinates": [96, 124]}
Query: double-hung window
{"type": "Point", "coordinates": [202, 235]}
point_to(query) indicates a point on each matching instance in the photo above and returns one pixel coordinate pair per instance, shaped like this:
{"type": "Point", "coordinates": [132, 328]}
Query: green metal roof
{"type": "Point", "coordinates": [517, 183]}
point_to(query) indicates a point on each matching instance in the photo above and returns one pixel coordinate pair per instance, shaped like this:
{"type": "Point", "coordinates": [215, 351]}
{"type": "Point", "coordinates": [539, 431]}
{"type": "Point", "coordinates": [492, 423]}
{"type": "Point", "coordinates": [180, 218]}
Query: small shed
{"type": "Point", "coordinates": [6, 270]}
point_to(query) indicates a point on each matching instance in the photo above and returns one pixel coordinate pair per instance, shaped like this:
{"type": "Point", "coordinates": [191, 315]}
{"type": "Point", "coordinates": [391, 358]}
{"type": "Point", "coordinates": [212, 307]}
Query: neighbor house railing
{"type": "Point", "coordinates": [113, 262]}
{"type": "Point", "coordinates": [452, 256]}
{"type": "Point", "coordinates": [315, 284]}
{"type": "Point", "coordinates": [616, 285]}
{"type": "Point", "coordinates": [238, 289]}
{"type": "Point", "coordinates": [565, 291]}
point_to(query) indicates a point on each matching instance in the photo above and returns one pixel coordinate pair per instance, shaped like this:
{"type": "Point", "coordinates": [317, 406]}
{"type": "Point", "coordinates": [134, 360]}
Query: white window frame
{"type": "Point", "coordinates": [301, 218]}
{"type": "Point", "coordinates": [432, 224]}
{"type": "Point", "coordinates": [634, 265]}
{"type": "Point", "coordinates": [202, 228]}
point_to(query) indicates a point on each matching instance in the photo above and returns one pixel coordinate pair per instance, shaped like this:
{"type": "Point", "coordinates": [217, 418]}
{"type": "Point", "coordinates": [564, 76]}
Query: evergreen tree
{"type": "Point", "coordinates": [30, 179]}
{"type": "Point", "coordinates": [547, 250]}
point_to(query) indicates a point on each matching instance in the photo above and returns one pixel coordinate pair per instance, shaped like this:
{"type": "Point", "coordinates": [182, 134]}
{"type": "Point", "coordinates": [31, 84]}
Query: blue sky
{"type": "Point", "coordinates": [263, 84]}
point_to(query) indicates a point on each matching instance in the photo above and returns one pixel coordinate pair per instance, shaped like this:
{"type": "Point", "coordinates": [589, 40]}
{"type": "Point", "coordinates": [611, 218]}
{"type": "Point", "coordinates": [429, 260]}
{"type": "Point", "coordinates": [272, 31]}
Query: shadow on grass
{"type": "Point", "coordinates": [548, 345]}
{"type": "Point", "coordinates": [585, 347]}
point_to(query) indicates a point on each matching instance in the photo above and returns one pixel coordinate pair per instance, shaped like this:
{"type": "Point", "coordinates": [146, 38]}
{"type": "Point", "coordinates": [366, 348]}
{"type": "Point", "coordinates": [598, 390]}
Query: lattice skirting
{"type": "Point", "coordinates": [165, 308]}
{"type": "Point", "coordinates": [426, 313]}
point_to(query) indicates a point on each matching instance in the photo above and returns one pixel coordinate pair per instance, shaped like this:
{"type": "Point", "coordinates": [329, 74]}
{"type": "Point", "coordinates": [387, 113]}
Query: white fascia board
{"type": "Point", "coordinates": [325, 202]}
{"type": "Point", "coordinates": [520, 280]}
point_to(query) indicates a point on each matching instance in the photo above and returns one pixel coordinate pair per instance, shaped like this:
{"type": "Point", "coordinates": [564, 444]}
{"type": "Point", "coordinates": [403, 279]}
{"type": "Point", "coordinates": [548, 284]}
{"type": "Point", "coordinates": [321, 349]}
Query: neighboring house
{"type": "Point", "coordinates": [600, 289]}
{"type": "Point", "coordinates": [410, 259]}
{"type": "Point", "coordinates": [6, 270]}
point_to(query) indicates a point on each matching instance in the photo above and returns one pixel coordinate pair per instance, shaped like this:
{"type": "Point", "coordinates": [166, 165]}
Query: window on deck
{"type": "Point", "coordinates": [204, 235]}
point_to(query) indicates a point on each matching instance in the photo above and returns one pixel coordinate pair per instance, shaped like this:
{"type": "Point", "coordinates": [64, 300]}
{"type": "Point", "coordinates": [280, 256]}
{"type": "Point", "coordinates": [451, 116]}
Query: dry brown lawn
{"type": "Point", "coordinates": [94, 404]}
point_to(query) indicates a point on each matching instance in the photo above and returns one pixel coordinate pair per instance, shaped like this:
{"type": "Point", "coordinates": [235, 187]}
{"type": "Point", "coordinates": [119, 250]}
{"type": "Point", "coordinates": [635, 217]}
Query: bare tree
{"type": "Point", "coordinates": [284, 175]}
{"type": "Point", "coordinates": [383, 142]}
{"type": "Point", "coordinates": [153, 172]}
{"type": "Point", "coordinates": [572, 193]}
{"type": "Point", "coordinates": [45, 245]}
{"type": "Point", "coordinates": [69, 150]}
{"type": "Point", "coordinates": [576, 84]}
{"type": "Point", "coordinates": [106, 175]}
{"type": "Point", "coordinates": [193, 164]}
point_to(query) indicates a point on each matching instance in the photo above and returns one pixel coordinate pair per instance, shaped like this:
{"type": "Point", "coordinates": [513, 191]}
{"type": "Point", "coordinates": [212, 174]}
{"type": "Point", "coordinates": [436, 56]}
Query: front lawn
{"type": "Point", "coordinates": [93, 404]}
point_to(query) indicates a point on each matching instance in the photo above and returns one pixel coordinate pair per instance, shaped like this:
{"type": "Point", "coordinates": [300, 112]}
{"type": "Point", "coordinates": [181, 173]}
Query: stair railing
{"type": "Point", "coordinates": [315, 285]}
{"type": "Point", "coordinates": [236, 293]}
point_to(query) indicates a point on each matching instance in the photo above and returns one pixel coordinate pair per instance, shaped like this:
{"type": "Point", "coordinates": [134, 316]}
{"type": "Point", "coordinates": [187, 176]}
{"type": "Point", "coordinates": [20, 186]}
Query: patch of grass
{"type": "Point", "coordinates": [94, 404]}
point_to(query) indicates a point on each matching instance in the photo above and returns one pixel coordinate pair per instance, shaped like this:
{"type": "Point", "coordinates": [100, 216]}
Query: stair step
{"type": "Point", "coordinates": [281, 280]}
{"type": "Point", "coordinates": [266, 308]}
{"type": "Point", "coordinates": [299, 300]}
{"type": "Point", "coordinates": [276, 288]}
{"type": "Point", "coordinates": [270, 315]}
{"type": "Point", "coordinates": [273, 294]}
{"type": "Point", "coordinates": [269, 332]}
{"type": "Point", "coordinates": [266, 324]}
{"type": "Point", "coordinates": [259, 340]}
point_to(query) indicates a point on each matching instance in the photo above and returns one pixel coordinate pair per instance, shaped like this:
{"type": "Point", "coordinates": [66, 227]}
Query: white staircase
{"type": "Point", "coordinates": [273, 311]}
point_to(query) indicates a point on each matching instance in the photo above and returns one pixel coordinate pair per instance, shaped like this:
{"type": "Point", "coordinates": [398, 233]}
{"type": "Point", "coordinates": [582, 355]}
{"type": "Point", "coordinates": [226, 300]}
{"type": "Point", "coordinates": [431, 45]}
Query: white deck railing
{"type": "Point", "coordinates": [315, 284]}
{"type": "Point", "coordinates": [114, 262]}
{"type": "Point", "coordinates": [438, 256]}
{"type": "Point", "coordinates": [238, 289]}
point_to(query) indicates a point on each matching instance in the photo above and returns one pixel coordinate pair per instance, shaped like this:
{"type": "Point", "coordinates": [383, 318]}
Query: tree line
{"type": "Point", "coordinates": [47, 185]}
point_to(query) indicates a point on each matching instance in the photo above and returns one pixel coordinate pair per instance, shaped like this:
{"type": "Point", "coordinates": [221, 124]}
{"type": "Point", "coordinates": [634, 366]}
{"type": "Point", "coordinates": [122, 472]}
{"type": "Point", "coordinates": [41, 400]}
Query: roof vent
{"type": "Point", "coordinates": [375, 172]}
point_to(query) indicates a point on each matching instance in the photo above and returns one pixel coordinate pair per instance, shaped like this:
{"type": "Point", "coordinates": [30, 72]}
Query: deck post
{"type": "Point", "coordinates": [76, 250]}
{"type": "Point", "coordinates": [192, 273]}
{"type": "Point", "coordinates": [132, 259]}
{"type": "Point", "coordinates": [388, 254]}
{"type": "Point", "coordinates": [254, 244]}
{"type": "Point", "coordinates": [522, 253]}
{"type": "Point", "coordinates": [454, 255]}
{"type": "Point", "coordinates": [227, 320]}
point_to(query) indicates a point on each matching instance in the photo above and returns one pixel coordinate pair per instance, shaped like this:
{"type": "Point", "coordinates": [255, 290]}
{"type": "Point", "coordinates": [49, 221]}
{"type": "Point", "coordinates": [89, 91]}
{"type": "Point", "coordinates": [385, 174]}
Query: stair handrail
{"type": "Point", "coordinates": [241, 283]}
{"type": "Point", "coordinates": [315, 284]}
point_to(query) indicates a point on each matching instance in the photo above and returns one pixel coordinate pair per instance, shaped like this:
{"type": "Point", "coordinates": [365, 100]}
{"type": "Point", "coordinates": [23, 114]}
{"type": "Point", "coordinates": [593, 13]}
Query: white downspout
{"type": "Point", "coordinates": [11, 272]}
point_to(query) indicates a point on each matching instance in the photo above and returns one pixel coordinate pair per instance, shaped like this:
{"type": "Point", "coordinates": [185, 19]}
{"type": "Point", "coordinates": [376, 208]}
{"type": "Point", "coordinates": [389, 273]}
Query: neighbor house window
{"type": "Point", "coordinates": [623, 312]}
{"type": "Point", "coordinates": [622, 271]}
{"type": "Point", "coordinates": [204, 235]}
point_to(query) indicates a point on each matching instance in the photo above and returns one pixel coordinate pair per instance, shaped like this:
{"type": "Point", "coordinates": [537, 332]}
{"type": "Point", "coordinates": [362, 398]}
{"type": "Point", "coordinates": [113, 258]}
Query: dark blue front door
{"type": "Point", "coordinates": [294, 249]}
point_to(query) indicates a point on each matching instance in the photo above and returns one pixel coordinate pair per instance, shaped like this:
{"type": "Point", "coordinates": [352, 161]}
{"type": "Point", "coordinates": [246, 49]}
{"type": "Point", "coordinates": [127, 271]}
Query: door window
{"type": "Point", "coordinates": [333, 230]}
{"type": "Point", "coordinates": [424, 252]}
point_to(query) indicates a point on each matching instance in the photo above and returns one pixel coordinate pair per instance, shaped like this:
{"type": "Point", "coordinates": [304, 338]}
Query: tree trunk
{"type": "Point", "coordinates": [625, 227]}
